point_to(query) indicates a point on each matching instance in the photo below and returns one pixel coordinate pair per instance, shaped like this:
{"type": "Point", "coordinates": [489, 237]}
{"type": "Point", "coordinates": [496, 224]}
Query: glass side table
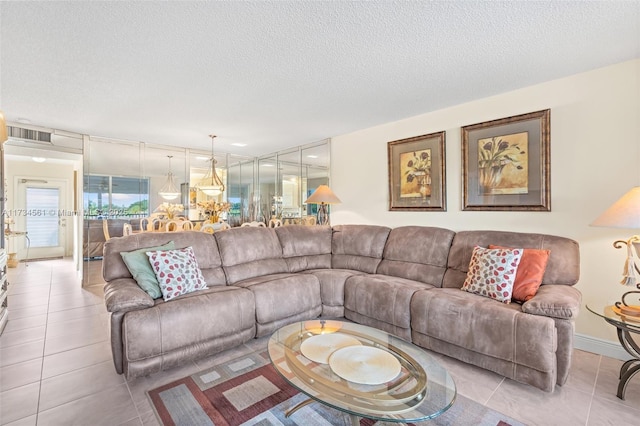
{"type": "Point", "coordinates": [626, 327]}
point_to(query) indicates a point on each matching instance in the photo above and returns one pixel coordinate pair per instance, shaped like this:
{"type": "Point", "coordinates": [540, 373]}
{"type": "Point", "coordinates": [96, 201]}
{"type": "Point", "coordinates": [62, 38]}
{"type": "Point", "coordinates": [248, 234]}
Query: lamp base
{"type": "Point", "coordinates": [323, 215]}
{"type": "Point", "coordinates": [625, 308]}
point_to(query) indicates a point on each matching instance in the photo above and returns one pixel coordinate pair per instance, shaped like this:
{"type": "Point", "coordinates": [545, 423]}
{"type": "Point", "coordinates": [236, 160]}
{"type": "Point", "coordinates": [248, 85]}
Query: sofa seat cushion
{"type": "Point", "coordinates": [485, 326]}
{"type": "Point", "coordinates": [187, 321]}
{"type": "Point", "coordinates": [381, 297]}
{"type": "Point", "coordinates": [279, 296]}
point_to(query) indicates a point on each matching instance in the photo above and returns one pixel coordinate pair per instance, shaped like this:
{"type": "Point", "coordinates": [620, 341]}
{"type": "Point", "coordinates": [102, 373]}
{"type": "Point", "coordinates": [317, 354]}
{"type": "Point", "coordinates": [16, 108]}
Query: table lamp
{"type": "Point", "coordinates": [323, 195]}
{"type": "Point", "coordinates": [625, 213]}
{"type": "Point", "coordinates": [3, 129]}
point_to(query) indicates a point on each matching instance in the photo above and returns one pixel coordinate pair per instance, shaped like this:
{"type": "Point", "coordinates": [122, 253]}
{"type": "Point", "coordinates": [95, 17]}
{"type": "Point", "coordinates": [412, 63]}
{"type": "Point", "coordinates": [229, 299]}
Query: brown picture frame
{"type": "Point", "coordinates": [506, 163]}
{"type": "Point", "coordinates": [417, 173]}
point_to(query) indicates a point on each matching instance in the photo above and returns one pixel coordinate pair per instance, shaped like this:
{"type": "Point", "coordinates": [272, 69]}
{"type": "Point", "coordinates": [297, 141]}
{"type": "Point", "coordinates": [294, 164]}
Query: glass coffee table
{"type": "Point", "coordinates": [362, 371]}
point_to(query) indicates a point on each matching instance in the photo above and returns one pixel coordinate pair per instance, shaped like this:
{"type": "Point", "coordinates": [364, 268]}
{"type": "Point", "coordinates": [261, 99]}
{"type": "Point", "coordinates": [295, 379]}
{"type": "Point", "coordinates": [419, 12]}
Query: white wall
{"type": "Point", "coordinates": [595, 157]}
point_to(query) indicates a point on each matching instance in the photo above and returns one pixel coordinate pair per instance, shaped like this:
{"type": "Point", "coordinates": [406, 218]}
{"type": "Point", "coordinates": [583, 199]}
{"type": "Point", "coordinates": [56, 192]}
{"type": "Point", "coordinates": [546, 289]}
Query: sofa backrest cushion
{"type": "Point", "coordinates": [305, 247]}
{"type": "Point", "coordinates": [563, 266]}
{"type": "Point", "coordinates": [417, 253]}
{"type": "Point", "coordinates": [250, 251]}
{"type": "Point", "coordinates": [204, 247]}
{"type": "Point", "coordinates": [358, 247]}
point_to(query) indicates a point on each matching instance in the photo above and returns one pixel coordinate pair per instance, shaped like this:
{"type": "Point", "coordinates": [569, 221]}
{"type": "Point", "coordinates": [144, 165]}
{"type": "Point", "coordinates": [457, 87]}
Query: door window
{"type": "Point", "coordinates": [42, 216]}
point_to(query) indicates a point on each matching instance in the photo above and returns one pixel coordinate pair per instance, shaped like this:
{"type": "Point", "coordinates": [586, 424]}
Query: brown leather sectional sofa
{"type": "Point", "coordinates": [405, 281]}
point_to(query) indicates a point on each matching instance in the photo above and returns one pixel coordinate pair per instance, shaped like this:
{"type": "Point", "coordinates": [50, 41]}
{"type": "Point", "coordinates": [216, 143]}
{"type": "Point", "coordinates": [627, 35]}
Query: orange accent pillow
{"type": "Point", "coordinates": [529, 274]}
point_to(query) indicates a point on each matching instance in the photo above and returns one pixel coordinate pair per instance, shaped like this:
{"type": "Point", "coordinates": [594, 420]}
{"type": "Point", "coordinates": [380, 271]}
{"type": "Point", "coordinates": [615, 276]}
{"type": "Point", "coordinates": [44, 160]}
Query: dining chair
{"type": "Point", "coordinates": [172, 226]}
{"type": "Point", "coordinates": [156, 224]}
{"type": "Point", "coordinates": [274, 223]}
{"type": "Point", "coordinates": [177, 225]}
{"type": "Point", "coordinates": [308, 220]}
{"type": "Point", "coordinates": [105, 229]}
{"type": "Point", "coordinates": [223, 225]}
{"type": "Point", "coordinates": [254, 223]}
{"type": "Point", "coordinates": [127, 229]}
{"type": "Point", "coordinates": [187, 225]}
{"type": "Point", "coordinates": [144, 223]}
{"type": "Point", "coordinates": [208, 228]}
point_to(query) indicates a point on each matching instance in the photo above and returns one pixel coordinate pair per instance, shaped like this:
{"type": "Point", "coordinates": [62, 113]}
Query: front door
{"type": "Point", "coordinates": [39, 211]}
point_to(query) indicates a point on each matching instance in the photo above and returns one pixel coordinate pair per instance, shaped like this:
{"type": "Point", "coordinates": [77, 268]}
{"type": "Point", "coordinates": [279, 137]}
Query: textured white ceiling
{"type": "Point", "coordinates": [278, 74]}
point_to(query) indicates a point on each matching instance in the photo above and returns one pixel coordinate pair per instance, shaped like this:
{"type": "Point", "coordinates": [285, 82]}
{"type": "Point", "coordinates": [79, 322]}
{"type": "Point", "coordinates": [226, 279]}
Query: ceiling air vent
{"type": "Point", "coordinates": [29, 135]}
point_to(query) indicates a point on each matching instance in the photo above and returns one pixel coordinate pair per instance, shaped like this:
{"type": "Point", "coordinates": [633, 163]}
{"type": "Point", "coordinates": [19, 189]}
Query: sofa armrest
{"type": "Point", "coordinates": [556, 301]}
{"type": "Point", "coordinates": [124, 294]}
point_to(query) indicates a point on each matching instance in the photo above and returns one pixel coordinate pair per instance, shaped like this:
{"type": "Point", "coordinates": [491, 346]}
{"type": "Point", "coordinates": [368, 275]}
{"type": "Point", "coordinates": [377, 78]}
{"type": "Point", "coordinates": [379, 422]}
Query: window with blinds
{"type": "Point", "coordinates": [112, 197]}
{"type": "Point", "coordinates": [42, 216]}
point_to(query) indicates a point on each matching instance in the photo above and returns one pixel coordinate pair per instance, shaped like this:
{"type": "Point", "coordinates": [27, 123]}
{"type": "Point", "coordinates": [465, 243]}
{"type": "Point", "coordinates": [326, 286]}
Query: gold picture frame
{"type": "Point", "coordinates": [506, 164]}
{"type": "Point", "coordinates": [417, 173]}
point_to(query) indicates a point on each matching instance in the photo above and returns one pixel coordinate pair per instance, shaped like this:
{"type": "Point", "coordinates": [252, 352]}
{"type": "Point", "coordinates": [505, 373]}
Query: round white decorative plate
{"type": "Point", "coordinates": [365, 365]}
{"type": "Point", "coordinates": [319, 348]}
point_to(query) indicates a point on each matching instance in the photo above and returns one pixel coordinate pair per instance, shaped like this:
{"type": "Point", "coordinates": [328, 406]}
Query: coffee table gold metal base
{"type": "Point", "coordinates": [299, 406]}
{"type": "Point", "coordinates": [355, 420]}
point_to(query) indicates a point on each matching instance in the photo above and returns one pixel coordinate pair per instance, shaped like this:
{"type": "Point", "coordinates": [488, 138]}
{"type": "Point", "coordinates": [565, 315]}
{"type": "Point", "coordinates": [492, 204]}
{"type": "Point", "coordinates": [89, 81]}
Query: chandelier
{"type": "Point", "coordinates": [211, 184]}
{"type": "Point", "coordinates": [169, 191]}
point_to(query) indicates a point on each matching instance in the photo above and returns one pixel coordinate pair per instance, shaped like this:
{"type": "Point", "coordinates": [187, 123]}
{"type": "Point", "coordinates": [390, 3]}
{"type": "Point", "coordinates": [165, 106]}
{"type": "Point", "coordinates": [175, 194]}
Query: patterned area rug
{"type": "Point", "coordinates": [248, 391]}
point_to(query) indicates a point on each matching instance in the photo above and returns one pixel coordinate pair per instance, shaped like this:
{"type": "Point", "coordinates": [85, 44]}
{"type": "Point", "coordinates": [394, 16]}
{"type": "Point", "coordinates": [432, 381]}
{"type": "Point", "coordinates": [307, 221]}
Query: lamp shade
{"type": "Point", "coordinates": [624, 213]}
{"type": "Point", "coordinates": [169, 191]}
{"type": "Point", "coordinates": [323, 195]}
{"type": "Point", "coordinates": [211, 184]}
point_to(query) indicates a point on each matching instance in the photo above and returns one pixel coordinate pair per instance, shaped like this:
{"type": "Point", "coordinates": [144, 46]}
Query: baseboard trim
{"type": "Point", "coordinates": [600, 346]}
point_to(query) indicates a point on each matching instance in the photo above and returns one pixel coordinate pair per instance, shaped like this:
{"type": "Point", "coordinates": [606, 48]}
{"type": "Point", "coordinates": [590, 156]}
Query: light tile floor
{"type": "Point", "coordinates": [56, 366]}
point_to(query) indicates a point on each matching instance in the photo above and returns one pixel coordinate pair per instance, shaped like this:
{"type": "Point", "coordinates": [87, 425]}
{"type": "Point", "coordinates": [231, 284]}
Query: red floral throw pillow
{"type": "Point", "coordinates": [492, 273]}
{"type": "Point", "coordinates": [530, 273]}
{"type": "Point", "coordinates": [177, 272]}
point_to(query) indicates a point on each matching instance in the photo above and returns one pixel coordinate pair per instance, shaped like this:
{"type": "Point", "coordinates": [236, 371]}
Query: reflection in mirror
{"type": "Point", "coordinates": [290, 181]}
{"type": "Point", "coordinates": [268, 202]}
{"type": "Point", "coordinates": [115, 191]}
{"type": "Point", "coordinates": [122, 180]}
{"type": "Point", "coordinates": [287, 178]}
{"type": "Point", "coordinates": [315, 171]}
{"type": "Point", "coordinates": [155, 166]}
{"type": "Point", "coordinates": [198, 165]}
{"type": "Point", "coordinates": [240, 190]}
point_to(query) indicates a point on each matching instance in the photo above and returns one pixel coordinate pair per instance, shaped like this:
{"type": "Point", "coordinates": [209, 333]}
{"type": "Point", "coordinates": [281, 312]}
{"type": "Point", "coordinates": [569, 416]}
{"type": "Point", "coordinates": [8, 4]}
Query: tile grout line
{"type": "Point", "coordinates": [44, 346]}
{"type": "Point", "coordinates": [494, 392]}
{"type": "Point", "coordinates": [133, 402]}
{"type": "Point", "coordinates": [89, 366]}
{"type": "Point", "coordinates": [593, 389]}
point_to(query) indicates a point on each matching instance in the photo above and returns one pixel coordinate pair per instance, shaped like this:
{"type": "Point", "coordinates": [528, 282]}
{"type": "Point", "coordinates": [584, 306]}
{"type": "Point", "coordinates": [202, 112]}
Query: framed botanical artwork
{"type": "Point", "coordinates": [417, 173]}
{"type": "Point", "coordinates": [506, 163]}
